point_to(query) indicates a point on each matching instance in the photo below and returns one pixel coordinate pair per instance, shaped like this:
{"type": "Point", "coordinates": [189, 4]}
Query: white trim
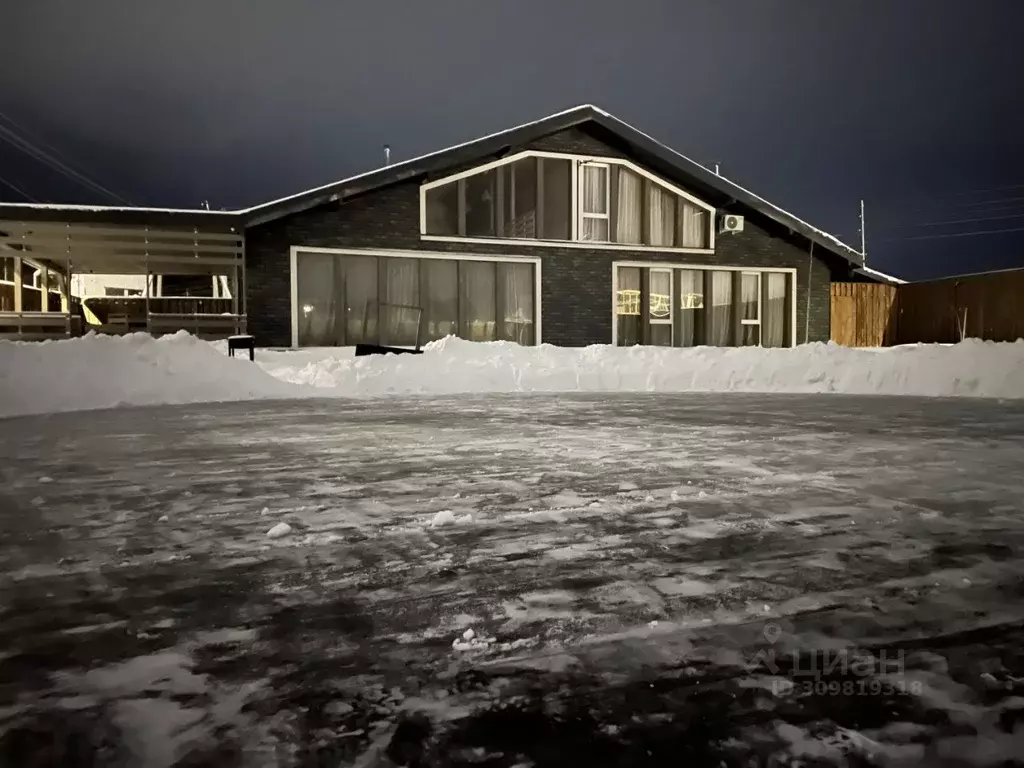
{"type": "Point", "coordinates": [511, 242]}
{"type": "Point", "coordinates": [791, 271]}
{"type": "Point", "coordinates": [575, 161]}
{"type": "Point", "coordinates": [606, 217]}
{"type": "Point", "coordinates": [757, 320]}
{"type": "Point", "coordinates": [400, 254]}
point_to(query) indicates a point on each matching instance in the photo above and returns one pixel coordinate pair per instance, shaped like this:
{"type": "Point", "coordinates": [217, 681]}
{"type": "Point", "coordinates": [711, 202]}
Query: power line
{"type": "Point", "coordinates": [967, 221]}
{"type": "Point", "coordinates": [1016, 200]}
{"type": "Point", "coordinates": [17, 189]}
{"type": "Point", "coordinates": [11, 137]}
{"type": "Point", "coordinates": [39, 140]}
{"type": "Point", "coordinates": [955, 234]}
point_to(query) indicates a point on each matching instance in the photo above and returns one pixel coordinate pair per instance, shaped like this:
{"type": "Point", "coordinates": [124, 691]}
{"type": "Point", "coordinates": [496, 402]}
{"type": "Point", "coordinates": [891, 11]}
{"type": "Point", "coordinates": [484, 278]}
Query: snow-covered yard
{"type": "Point", "coordinates": [103, 372]}
{"type": "Point", "coordinates": [559, 579]}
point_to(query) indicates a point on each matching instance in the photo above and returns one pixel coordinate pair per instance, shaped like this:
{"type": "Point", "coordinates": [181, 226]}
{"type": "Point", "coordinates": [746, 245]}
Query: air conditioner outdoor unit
{"type": "Point", "coordinates": [730, 222]}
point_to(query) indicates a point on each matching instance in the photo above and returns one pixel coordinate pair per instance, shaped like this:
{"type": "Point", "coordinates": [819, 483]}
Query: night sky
{"type": "Point", "coordinates": [916, 106]}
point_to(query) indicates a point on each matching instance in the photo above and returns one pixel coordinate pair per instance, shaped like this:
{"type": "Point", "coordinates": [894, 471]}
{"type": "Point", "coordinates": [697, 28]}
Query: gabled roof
{"type": "Point", "coordinates": [657, 156]}
{"type": "Point", "coordinates": [673, 166]}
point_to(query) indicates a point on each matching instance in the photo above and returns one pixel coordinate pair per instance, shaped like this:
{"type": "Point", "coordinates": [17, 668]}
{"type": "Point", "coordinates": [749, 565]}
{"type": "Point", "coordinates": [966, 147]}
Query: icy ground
{"type": "Point", "coordinates": [591, 580]}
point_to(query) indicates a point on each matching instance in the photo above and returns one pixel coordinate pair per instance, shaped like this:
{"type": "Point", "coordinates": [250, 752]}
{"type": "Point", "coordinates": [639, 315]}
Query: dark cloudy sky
{"type": "Point", "coordinates": [914, 105]}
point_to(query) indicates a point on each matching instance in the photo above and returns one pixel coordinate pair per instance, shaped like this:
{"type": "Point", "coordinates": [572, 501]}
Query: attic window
{"type": "Point", "coordinates": [546, 197]}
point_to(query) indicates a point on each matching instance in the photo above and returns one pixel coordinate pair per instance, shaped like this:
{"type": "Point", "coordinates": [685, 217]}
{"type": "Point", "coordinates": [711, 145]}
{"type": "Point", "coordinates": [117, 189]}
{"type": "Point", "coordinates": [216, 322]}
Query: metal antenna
{"type": "Point", "coordinates": [863, 234]}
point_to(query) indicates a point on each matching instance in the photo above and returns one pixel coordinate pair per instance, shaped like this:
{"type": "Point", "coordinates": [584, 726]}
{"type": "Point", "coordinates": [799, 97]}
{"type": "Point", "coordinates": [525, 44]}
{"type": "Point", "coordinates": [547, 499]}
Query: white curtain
{"type": "Point", "coordinates": [360, 298]}
{"type": "Point", "coordinates": [773, 317]}
{"type": "Point", "coordinates": [720, 331]}
{"type": "Point", "coordinates": [399, 316]}
{"type": "Point", "coordinates": [319, 299]}
{"type": "Point", "coordinates": [594, 200]}
{"type": "Point", "coordinates": [694, 224]}
{"type": "Point", "coordinates": [476, 301]}
{"type": "Point", "coordinates": [517, 294]}
{"type": "Point", "coordinates": [628, 224]}
{"type": "Point", "coordinates": [691, 307]}
{"type": "Point", "coordinates": [661, 215]}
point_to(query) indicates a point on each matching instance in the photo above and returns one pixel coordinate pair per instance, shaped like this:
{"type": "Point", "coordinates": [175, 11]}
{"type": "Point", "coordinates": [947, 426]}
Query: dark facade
{"type": "Point", "coordinates": [576, 285]}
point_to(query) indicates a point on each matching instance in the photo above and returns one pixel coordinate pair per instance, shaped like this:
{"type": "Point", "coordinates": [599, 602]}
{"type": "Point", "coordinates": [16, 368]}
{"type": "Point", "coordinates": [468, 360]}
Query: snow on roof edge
{"type": "Point", "coordinates": [882, 275]}
{"type": "Point", "coordinates": [419, 158]}
{"type": "Point", "coordinates": [814, 229]}
{"type": "Point", "coordinates": [104, 208]}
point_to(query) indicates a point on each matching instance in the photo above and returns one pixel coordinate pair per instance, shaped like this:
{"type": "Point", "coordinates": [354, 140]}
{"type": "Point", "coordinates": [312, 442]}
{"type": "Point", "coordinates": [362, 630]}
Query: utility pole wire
{"type": "Point", "coordinates": [17, 189]}
{"type": "Point", "coordinates": [27, 135]}
{"type": "Point", "coordinates": [16, 141]}
{"type": "Point", "coordinates": [956, 234]}
{"type": "Point", "coordinates": [963, 221]}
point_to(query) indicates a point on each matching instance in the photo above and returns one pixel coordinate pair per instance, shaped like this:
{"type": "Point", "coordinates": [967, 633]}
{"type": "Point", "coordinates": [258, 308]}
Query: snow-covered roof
{"type": "Point", "coordinates": [866, 270]}
{"type": "Point", "coordinates": [493, 142]}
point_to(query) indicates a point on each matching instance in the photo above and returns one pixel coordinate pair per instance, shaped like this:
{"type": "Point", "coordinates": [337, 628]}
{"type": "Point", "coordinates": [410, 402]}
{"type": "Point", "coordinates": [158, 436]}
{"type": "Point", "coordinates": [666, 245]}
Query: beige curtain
{"type": "Point", "coordinates": [661, 215]}
{"type": "Point", "coordinates": [694, 225]}
{"type": "Point", "coordinates": [629, 227]}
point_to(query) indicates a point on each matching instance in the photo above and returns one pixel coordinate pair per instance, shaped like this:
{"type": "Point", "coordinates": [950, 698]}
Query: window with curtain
{"type": "Point", "coordinates": [691, 308]}
{"type": "Point", "coordinates": [441, 298]}
{"type": "Point", "coordinates": [661, 216]}
{"type": "Point", "coordinates": [660, 307]}
{"type": "Point", "coordinates": [533, 198]}
{"type": "Point", "coordinates": [516, 289]}
{"type": "Point", "coordinates": [629, 207]}
{"type": "Point", "coordinates": [594, 202]}
{"type": "Point", "coordinates": [360, 293]}
{"type": "Point", "coordinates": [627, 306]}
{"type": "Point", "coordinates": [774, 317]}
{"type": "Point", "coordinates": [320, 293]}
{"type": "Point", "coordinates": [750, 308]}
{"type": "Point", "coordinates": [694, 225]}
{"type": "Point", "coordinates": [720, 319]}
{"type": "Point", "coordinates": [400, 301]}
{"type": "Point", "coordinates": [477, 308]}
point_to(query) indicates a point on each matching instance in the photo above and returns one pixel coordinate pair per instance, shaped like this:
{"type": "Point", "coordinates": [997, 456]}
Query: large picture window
{"type": "Point", "coordinates": [344, 299]}
{"type": "Point", "coordinates": [678, 306]}
{"type": "Point", "coordinates": [533, 196]}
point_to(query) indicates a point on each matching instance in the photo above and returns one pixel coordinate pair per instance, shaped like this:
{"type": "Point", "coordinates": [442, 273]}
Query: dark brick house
{"type": "Point", "coordinates": [572, 230]}
{"type": "Point", "coordinates": [576, 229]}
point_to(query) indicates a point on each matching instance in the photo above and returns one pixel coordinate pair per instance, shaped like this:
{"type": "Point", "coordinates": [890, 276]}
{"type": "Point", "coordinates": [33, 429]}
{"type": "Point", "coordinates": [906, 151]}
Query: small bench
{"type": "Point", "coordinates": [242, 342]}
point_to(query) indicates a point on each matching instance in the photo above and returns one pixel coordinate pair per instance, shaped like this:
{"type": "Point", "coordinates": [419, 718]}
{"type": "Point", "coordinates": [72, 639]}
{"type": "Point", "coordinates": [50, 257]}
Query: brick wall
{"type": "Point", "coordinates": [576, 291]}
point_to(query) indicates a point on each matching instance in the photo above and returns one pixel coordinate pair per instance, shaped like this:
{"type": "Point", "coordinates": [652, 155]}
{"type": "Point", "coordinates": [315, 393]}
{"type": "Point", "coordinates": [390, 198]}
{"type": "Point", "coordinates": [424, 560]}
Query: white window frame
{"type": "Point", "coordinates": [739, 299]}
{"type": "Point", "coordinates": [575, 217]}
{"type": "Point", "coordinates": [606, 217]}
{"type": "Point", "coordinates": [395, 254]}
{"type": "Point", "coordinates": [671, 300]}
{"type": "Point", "coordinates": [791, 286]}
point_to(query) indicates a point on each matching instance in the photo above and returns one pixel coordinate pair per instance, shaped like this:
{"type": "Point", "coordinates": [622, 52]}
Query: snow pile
{"type": "Point", "coordinates": [453, 366]}
{"type": "Point", "coordinates": [104, 371]}
{"type": "Point", "coordinates": [101, 371]}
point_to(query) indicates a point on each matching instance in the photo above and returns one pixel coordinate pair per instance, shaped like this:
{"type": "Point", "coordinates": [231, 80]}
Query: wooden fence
{"type": "Point", "coordinates": [986, 306]}
{"type": "Point", "coordinates": [864, 314]}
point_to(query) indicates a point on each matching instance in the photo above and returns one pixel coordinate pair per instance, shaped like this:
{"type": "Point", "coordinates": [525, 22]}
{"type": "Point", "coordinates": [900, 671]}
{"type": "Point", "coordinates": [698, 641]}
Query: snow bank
{"type": "Point", "coordinates": [452, 366]}
{"type": "Point", "coordinates": [106, 371]}
{"type": "Point", "coordinates": [101, 371]}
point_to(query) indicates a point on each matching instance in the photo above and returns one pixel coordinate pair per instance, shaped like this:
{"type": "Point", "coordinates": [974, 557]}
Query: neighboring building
{"type": "Point", "coordinates": [572, 230]}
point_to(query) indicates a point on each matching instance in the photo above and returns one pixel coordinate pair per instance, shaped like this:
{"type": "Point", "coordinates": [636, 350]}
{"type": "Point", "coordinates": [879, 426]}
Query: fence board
{"type": "Point", "coordinates": [863, 314]}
